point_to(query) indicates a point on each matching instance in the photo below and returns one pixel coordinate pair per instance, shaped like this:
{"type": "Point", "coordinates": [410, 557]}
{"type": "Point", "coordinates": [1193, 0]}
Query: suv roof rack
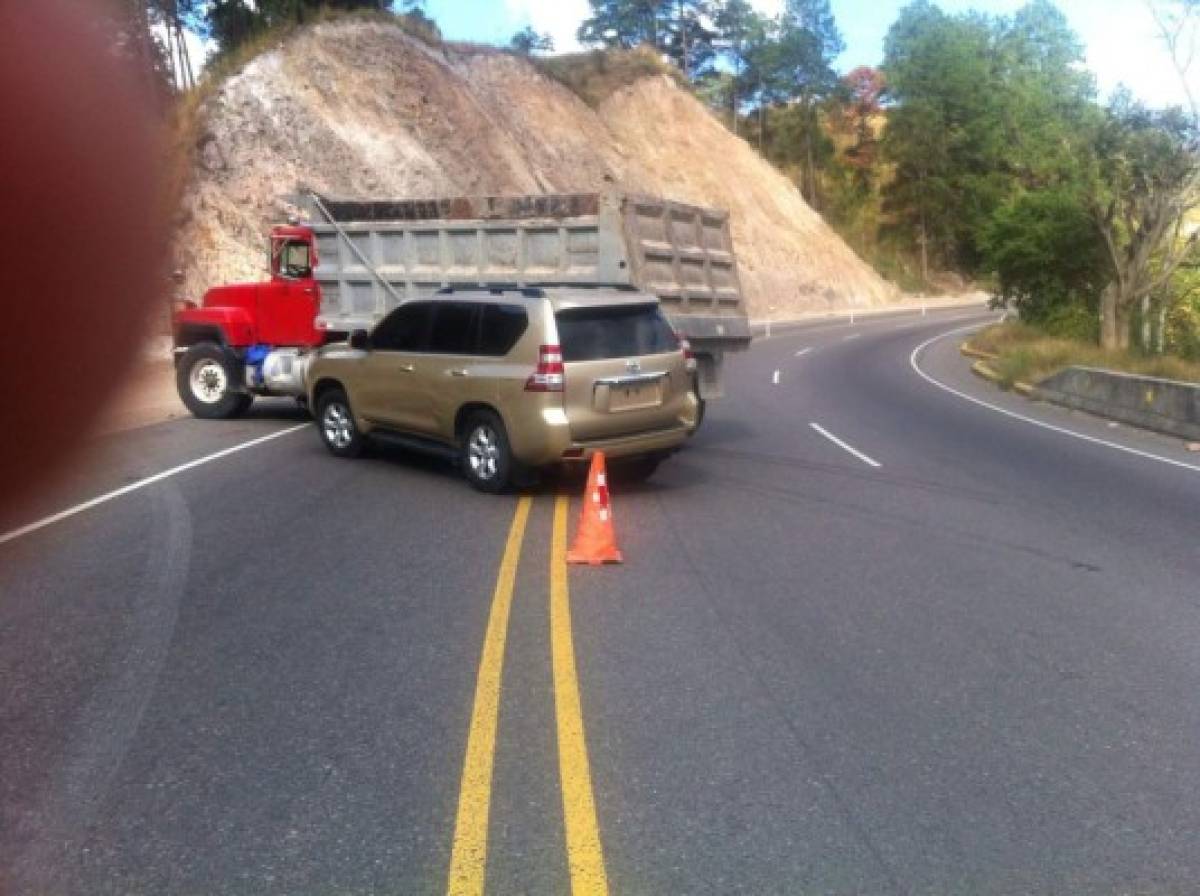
{"type": "Point", "coordinates": [496, 289]}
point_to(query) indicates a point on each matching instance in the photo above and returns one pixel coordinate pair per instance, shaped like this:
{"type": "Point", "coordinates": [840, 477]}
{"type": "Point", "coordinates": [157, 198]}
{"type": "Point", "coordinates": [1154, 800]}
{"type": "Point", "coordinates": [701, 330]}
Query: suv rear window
{"type": "Point", "coordinates": [620, 331]}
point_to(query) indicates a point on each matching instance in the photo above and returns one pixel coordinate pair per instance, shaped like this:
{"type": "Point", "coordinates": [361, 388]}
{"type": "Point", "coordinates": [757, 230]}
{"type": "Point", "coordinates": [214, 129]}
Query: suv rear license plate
{"type": "Point", "coordinates": [634, 396]}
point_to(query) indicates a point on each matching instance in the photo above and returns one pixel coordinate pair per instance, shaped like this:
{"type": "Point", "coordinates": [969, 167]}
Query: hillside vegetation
{"type": "Point", "coordinates": [359, 108]}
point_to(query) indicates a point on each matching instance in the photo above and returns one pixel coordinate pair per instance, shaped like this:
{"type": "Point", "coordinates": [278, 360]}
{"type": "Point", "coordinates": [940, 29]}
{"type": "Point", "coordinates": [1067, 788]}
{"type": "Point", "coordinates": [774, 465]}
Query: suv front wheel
{"type": "Point", "coordinates": [487, 460]}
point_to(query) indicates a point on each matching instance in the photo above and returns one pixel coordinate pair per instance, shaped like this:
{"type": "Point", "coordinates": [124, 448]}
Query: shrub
{"type": "Point", "coordinates": [1048, 260]}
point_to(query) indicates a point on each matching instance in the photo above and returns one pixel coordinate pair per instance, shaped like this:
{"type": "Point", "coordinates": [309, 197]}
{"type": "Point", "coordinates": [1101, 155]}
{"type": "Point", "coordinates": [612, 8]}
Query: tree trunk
{"type": "Point", "coordinates": [924, 241]}
{"type": "Point", "coordinates": [1108, 316]}
{"type": "Point", "coordinates": [1146, 335]}
{"type": "Point", "coordinates": [762, 126]}
{"type": "Point", "coordinates": [683, 41]}
{"type": "Point", "coordinates": [733, 102]}
{"type": "Point", "coordinates": [811, 171]}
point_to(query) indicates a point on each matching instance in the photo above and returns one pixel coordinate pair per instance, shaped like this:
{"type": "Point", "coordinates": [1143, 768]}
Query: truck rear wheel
{"type": "Point", "coordinates": [207, 378]}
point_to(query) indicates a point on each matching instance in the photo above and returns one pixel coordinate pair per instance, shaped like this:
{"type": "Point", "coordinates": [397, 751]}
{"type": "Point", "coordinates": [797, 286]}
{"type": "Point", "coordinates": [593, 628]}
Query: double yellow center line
{"type": "Point", "coordinates": [585, 856]}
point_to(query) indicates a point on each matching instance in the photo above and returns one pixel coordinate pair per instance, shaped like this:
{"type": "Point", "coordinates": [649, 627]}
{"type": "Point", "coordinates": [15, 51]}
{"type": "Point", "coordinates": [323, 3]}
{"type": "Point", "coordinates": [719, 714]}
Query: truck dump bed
{"type": "Point", "coordinates": [371, 255]}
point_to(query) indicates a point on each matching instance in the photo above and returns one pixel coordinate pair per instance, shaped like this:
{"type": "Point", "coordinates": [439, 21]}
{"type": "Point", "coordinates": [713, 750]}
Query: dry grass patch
{"type": "Point", "coordinates": [596, 75]}
{"type": "Point", "coordinates": [1028, 355]}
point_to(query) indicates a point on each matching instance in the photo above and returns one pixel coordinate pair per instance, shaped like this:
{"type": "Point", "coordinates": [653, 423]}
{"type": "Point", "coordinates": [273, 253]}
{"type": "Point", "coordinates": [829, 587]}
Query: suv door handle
{"type": "Point", "coordinates": [406, 368]}
{"type": "Point", "coordinates": [457, 372]}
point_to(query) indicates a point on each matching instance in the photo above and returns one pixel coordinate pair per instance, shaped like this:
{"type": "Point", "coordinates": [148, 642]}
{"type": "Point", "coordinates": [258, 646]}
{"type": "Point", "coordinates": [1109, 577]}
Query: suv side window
{"type": "Point", "coordinates": [404, 330]}
{"type": "Point", "coordinates": [500, 329]}
{"type": "Point", "coordinates": [455, 328]}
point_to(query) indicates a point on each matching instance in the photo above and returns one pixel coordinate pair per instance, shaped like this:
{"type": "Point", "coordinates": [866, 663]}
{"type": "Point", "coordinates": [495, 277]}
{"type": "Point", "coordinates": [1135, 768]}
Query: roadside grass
{"type": "Point", "coordinates": [1028, 355]}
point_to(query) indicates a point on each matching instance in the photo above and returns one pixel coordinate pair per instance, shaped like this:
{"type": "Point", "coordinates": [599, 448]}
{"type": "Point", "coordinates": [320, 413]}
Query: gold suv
{"type": "Point", "coordinates": [512, 379]}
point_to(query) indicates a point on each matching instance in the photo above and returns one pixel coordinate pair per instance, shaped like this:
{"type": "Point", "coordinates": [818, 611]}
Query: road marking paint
{"type": "Point", "coordinates": [585, 855]}
{"type": "Point", "coordinates": [851, 336]}
{"type": "Point", "coordinates": [775, 378]}
{"type": "Point", "coordinates": [142, 483]}
{"type": "Point", "coordinates": [912, 360]}
{"type": "Point", "coordinates": [468, 858]}
{"type": "Point", "coordinates": [844, 446]}
{"type": "Point", "coordinates": [803, 352]}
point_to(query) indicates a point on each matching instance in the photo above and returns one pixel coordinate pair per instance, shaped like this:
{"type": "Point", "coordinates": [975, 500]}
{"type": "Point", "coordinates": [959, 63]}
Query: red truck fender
{"type": "Point", "coordinates": [225, 325]}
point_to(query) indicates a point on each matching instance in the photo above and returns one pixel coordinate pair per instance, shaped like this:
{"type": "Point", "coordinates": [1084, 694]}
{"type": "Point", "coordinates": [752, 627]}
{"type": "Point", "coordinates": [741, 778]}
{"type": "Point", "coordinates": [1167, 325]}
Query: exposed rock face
{"type": "Point", "coordinates": [360, 109]}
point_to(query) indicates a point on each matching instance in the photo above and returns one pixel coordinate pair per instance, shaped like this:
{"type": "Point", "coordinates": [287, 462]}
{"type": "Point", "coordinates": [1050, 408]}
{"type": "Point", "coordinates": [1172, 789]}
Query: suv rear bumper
{"type": "Point", "coordinates": [549, 441]}
{"type": "Point", "coordinates": [628, 446]}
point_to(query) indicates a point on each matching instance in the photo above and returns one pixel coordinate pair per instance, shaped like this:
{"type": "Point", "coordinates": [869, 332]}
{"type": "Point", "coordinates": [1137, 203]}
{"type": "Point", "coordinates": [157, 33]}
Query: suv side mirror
{"type": "Point", "coordinates": [359, 340]}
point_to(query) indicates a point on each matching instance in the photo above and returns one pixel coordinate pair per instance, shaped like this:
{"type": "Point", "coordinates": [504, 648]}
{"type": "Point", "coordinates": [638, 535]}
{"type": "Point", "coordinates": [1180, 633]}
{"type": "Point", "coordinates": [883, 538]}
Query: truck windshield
{"type": "Point", "coordinates": [593, 334]}
{"type": "Point", "coordinates": [293, 259]}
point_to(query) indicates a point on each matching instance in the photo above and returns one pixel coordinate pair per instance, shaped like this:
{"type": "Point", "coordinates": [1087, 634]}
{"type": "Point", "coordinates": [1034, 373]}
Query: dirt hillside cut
{"type": "Point", "coordinates": [359, 109]}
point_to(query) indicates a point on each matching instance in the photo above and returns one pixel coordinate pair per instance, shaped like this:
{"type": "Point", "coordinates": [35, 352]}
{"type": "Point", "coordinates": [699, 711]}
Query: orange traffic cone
{"type": "Point", "coordinates": [595, 542]}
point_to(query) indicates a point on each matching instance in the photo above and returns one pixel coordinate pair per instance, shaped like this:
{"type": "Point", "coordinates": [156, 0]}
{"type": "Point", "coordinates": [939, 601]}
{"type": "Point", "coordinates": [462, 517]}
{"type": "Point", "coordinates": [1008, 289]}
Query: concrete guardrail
{"type": "Point", "coordinates": [1166, 406]}
{"type": "Point", "coordinates": [761, 328]}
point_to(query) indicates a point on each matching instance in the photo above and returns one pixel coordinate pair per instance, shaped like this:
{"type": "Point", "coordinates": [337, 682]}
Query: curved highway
{"type": "Point", "coordinates": [881, 628]}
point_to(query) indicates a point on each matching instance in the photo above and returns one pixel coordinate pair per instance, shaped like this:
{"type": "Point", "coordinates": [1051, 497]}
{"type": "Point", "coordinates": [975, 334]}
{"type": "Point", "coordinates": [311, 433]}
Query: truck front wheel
{"type": "Point", "coordinates": [207, 378]}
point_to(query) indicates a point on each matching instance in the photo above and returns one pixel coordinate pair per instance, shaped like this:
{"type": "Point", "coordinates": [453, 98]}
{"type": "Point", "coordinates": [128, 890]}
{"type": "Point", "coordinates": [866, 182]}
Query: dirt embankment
{"type": "Point", "coordinates": [359, 108]}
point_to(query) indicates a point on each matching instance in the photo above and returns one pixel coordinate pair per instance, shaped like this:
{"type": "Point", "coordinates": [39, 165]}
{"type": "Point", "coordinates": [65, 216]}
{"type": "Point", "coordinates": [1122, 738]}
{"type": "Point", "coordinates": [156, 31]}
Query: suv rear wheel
{"type": "Point", "coordinates": [336, 424]}
{"type": "Point", "coordinates": [487, 460]}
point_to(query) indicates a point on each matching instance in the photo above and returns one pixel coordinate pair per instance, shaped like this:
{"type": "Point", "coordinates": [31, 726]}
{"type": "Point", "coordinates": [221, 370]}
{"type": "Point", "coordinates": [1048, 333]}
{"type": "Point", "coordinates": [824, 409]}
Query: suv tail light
{"type": "Point", "coordinates": [689, 356]}
{"type": "Point", "coordinates": [548, 377]}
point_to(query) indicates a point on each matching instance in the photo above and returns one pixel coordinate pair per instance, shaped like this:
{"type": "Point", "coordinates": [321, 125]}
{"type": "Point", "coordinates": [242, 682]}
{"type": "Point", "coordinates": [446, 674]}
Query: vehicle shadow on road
{"type": "Point", "coordinates": [276, 409]}
{"type": "Point", "coordinates": [720, 431]}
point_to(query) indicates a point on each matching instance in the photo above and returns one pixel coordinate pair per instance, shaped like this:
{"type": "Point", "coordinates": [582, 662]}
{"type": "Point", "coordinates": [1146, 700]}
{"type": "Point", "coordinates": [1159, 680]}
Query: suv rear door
{"type": "Point", "coordinates": [390, 386]}
{"type": "Point", "coordinates": [623, 369]}
{"type": "Point", "coordinates": [453, 375]}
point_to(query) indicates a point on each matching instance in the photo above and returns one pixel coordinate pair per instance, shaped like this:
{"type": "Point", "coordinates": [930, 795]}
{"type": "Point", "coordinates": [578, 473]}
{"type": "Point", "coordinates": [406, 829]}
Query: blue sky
{"type": "Point", "coordinates": [1119, 34]}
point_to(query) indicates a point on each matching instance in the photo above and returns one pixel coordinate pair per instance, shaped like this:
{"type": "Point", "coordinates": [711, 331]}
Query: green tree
{"type": "Point", "coordinates": [984, 108]}
{"type": "Point", "coordinates": [738, 25]}
{"type": "Point", "coordinates": [688, 35]}
{"type": "Point", "coordinates": [1049, 265]}
{"type": "Point", "coordinates": [940, 81]}
{"type": "Point", "coordinates": [680, 29]}
{"type": "Point", "coordinates": [1146, 183]}
{"type": "Point", "coordinates": [803, 75]}
{"type": "Point", "coordinates": [527, 41]}
{"type": "Point", "coordinates": [232, 22]}
{"type": "Point", "coordinates": [624, 24]}
{"type": "Point", "coordinates": [1146, 179]}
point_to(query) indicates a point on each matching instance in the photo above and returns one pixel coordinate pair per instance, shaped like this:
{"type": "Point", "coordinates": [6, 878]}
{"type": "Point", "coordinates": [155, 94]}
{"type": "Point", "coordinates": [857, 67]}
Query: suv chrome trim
{"type": "Point", "coordinates": [632, 379]}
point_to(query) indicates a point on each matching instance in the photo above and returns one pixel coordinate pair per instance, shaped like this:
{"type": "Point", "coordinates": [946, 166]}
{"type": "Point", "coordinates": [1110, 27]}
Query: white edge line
{"type": "Point", "coordinates": [803, 351]}
{"type": "Point", "coordinates": [852, 336]}
{"type": "Point", "coordinates": [142, 483]}
{"type": "Point", "coordinates": [850, 448]}
{"type": "Point", "coordinates": [912, 360]}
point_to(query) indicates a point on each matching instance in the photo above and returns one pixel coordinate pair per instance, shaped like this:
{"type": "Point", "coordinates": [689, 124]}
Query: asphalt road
{"type": "Point", "coordinates": [870, 637]}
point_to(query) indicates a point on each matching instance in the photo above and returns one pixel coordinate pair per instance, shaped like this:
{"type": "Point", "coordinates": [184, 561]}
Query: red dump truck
{"type": "Point", "coordinates": [353, 261]}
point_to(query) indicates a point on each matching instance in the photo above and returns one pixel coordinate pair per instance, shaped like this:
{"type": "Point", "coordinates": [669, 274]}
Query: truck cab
{"type": "Point", "coordinates": [247, 339]}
